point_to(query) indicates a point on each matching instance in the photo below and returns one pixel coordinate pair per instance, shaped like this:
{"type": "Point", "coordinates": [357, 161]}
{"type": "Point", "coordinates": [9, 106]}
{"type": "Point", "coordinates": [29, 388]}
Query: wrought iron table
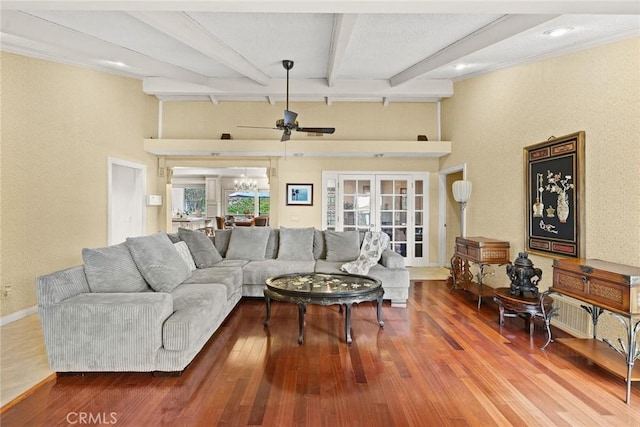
{"type": "Point", "coordinates": [323, 289]}
{"type": "Point", "coordinates": [529, 307]}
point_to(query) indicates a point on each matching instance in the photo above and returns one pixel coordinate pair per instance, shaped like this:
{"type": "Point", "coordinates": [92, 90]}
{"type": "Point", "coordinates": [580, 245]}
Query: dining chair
{"type": "Point", "coordinates": [220, 223]}
{"type": "Point", "coordinates": [261, 221]}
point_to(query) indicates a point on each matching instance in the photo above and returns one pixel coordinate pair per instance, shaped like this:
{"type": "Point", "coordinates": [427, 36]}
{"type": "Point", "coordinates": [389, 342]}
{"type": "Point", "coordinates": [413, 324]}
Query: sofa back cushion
{"type": "Point", "coordinates": [112, 269]}
{"type": "Point", "coordinates": [319, 246]}
{"type": "Point", "coordinates": [248, 243]}
{"type": "Point", "coordinates": [272, 244]}
{"type": "Point", "coordinates": [221, 240]}
{"type": "Point", "coordinates": [342, 245]}
{"type": "Point", "coordinates": [158, 261]}
{"type": "Point", "coordinates": [296, 244]}
{"type": "Point", "coordinates": [201, 247]}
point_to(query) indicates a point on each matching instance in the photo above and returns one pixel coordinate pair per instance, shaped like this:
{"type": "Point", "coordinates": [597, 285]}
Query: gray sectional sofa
{"type": "Point", "coordinates": [151, 303]}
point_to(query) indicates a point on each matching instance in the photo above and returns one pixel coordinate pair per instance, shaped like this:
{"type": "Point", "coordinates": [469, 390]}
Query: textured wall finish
{"type": "Point", "coordinates": [491, 118]}
{"type": "Point", "coordinates": [59, 125]}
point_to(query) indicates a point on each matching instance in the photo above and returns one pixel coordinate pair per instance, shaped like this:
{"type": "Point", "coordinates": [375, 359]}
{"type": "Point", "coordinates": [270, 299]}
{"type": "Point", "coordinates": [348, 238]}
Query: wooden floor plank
{"type": "Point", "coordinates": [440, 361]}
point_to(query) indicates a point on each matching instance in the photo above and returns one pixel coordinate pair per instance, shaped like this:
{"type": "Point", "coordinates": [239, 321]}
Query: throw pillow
{"type": "Point", "coordinates": [342, 245]}
{"type": "Point", "coordinates": [158, 261]}
{"type": "Point", "coordinates": [112, 269]}
{"type": "Point", "coordinates": [202, 249]}
{"type": "Point", "coordinates": [184, 252]}
{"type": "Point", "coordinates": [296, 244]}
{"type": "Point", "coordinates": [248, 243]}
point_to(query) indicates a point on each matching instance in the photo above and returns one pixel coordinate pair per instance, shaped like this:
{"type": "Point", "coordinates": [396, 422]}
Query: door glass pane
{"type": "Point", "coordinates": [356, 204]}
{"type": "Point", "coordinates": [347, 202]}
{"type": "Point", "coordinates": [393, 212]}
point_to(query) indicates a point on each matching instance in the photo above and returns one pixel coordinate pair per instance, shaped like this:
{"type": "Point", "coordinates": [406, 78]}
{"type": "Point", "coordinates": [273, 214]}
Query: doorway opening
{"type": "Point", "coordinates": [126, 215]}
{"type": "Point", "coordinates": [451, 224]}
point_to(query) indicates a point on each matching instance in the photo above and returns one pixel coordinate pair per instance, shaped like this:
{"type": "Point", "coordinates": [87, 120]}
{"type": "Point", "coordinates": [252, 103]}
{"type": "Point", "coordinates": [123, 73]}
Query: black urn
{"type": "Point", "coordinates": [524, 276]}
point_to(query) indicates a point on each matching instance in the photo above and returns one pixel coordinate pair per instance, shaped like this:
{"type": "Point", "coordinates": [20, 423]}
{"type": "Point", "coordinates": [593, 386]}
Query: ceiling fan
{"type": "Point", "coordinates": [289, 123]}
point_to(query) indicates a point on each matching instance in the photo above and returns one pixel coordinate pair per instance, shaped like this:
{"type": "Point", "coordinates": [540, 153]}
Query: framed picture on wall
{"type": "Point", "coordinates": [554, 196]}
{"type": "Point", "coordinates": [300, 194]}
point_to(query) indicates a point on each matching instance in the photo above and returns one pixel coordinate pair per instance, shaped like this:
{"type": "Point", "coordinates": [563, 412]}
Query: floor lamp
{"type": "Point", "coordinates": [461, 193]}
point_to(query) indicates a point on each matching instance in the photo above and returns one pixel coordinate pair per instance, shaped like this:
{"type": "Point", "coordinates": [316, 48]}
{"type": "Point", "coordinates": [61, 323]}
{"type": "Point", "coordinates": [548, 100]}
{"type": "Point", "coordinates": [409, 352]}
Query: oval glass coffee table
{"type": "Point", "coordinates": [323, 289]}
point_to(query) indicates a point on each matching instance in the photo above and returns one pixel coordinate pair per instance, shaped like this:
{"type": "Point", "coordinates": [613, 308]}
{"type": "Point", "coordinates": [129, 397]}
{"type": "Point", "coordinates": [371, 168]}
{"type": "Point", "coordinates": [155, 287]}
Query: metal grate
{"type": "Point", "coordinates": [572, 318]}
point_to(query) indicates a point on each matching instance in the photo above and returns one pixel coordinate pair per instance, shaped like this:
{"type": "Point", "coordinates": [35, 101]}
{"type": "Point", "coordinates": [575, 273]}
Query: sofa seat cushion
{"type": "Point", "coordinates": [328, 267]}
{"type": "Point", "coordinates": [257, 272]}
{"type": "Point", "coordinates": [390, 277]}
{"type": "Point", "coordinates": [230, 277]}
{"type": "Point", "coordinates": [194, 305]}
{"type": "Point", "coordinates": [231, 263]}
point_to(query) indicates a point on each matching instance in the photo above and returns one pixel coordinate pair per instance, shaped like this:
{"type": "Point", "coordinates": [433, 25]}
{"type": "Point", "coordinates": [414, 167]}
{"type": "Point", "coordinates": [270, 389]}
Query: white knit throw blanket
{"type": "Point", "coordinates": [374, 243]}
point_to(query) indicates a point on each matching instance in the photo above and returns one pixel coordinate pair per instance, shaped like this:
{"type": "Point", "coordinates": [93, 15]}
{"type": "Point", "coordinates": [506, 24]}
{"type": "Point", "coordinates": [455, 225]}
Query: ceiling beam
{"type": "Point", "coordinates": [343, 6]}
{"type": "Point", "coordinates": [45, 34]}
{"type": "Point", "coordinates": [342, 29]}
{"type": "Point", "coordinates": [183, 28]}
{"type": "Point", "coordinates": [498, 30]}
{"type": "Point", "coordinates": [306, 89]}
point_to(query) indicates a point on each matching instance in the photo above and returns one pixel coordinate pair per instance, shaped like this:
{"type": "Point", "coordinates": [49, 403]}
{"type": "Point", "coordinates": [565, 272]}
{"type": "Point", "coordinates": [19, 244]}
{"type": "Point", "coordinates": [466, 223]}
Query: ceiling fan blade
{"type": "Point", "coordinates": [317, 130]}
{"type": "Point", "coordinates": [258, 127]}
{"type": "Point", "coordinates": [286, 135]}
{"type": "Point", "coordinates": [290, 117]}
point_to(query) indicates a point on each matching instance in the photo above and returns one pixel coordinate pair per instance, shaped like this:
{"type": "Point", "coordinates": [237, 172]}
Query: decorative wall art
{"type": "Point", "coordinates": [554, 196]}
{"type": "Point", "coordinates": [300, 194]}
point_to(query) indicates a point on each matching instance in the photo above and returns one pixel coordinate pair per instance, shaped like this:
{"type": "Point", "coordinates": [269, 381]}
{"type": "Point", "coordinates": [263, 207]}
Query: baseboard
{"type": "Point", "coordinates": [9, 318]}
{"type": "Point", "coordinates": [26, 393]}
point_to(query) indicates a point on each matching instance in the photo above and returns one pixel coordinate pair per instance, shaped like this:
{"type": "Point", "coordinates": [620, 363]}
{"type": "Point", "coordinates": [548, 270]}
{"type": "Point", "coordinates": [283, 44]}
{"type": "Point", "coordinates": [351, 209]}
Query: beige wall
{"type": "Point", "coordinates": [491, 118]}
{"type": "Point", "coordinates": [353, 121]}
{"type": "Point", "coordinates": [59, 125]}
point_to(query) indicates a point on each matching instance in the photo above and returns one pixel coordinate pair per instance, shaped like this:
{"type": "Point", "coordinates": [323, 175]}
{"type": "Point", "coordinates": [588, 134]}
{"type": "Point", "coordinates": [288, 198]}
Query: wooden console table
{"type": "Point", "coordinates": [481, 251]}
{"type": "Point", "coordinates": [604, 286]}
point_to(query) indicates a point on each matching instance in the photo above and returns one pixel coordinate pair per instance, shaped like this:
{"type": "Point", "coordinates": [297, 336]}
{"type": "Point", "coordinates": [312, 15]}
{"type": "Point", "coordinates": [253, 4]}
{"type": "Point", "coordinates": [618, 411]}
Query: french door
{"type": "Point", "coordinates": [391, 203]}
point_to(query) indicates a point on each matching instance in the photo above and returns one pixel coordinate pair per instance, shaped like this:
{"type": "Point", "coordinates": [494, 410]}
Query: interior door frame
{"type": "Point", "coordinates": [139, 192]}
{"type": "Point", "coordinates": [443, 191]}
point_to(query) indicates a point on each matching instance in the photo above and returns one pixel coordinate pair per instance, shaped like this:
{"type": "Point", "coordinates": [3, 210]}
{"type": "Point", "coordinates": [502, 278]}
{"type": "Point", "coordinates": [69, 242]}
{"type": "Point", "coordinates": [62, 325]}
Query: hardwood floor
{"type": "Point", "coordinates": [438, 362]}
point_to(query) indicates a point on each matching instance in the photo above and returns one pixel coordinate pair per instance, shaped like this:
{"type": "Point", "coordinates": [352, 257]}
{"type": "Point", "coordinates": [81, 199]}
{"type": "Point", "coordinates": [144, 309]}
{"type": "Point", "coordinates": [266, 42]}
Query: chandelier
{"type": "Point", "coordinates": [244, 184]}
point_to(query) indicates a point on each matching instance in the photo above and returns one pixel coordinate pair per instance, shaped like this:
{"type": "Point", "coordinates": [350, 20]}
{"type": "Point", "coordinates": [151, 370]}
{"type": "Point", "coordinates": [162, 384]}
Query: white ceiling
{"type": "Point", "coordinates": [351, 50]}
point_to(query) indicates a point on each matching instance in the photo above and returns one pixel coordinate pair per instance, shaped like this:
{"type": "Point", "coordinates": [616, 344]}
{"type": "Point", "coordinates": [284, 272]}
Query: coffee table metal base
{"type": "Point", "coordinates": [303, 301]}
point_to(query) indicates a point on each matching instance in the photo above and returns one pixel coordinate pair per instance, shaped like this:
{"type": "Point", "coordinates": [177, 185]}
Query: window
{"type": "Point", "coordinates": [248, 203]}
{"type": "Point", "coordinates": [188, 199]}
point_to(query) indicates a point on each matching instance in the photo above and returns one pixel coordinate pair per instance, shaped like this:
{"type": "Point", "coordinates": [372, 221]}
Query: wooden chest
{"type": "Point", "coordinates": [614, 287]}
{"type": "Point", "coordinates": [483, 250]}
